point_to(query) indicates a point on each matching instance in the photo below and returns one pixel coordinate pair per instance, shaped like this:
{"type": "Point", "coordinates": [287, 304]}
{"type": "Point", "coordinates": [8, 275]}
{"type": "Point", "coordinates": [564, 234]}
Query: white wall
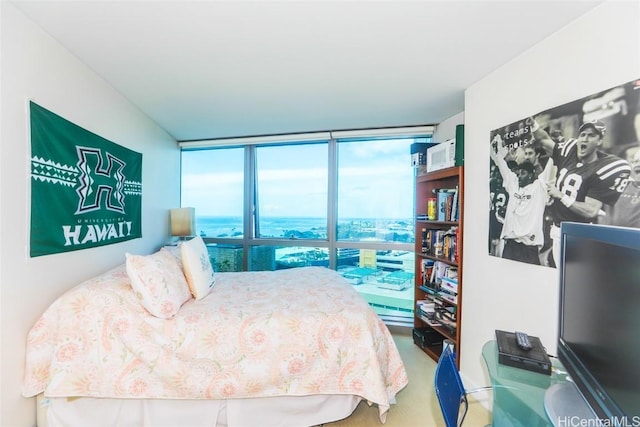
{"type": "Point", "coordinates": [593, 53]}
{"type": "Point", "coordinates": [36, 67]}
{"type": "Point", "coordinates": [447, 128]}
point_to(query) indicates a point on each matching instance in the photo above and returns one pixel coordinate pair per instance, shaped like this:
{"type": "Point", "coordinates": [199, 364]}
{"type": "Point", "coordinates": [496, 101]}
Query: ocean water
{"type": "Point", "coordinates": [220, 226]}
{"type": "Point", "coordinates": [306, 227]}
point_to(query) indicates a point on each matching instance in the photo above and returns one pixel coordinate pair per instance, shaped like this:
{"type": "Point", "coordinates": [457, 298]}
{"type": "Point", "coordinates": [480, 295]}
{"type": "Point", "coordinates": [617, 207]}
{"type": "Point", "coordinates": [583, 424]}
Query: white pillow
{"type": "Point", "coordinates": [197, 267]}
{"type": "Point", "coordinates": [158, 282]}
{"type": "Point", "coordinates": [175, 251]}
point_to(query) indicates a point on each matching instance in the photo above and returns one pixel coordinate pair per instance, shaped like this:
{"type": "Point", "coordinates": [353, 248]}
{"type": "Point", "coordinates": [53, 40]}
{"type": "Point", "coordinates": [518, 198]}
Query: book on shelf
{"type": "Point", "coordinates": [454, 216]}
{"type": "Point", "coordinates": [446, 312]}
{"type": "Point", "coordinates": [448, 242]}
{"type": "Point", "coordinates": [444, 201]}
{"type": "Point", "coordinates": [456, 252]}
{"type": "Point", "coordinates": [449, 285]}
{"type": "Point", "coordinates": [441, 243]}
{"type": "Point", "coordinates": [439, 271]}
{"type": "Point", "coordinates": [426, 310]}
{"type": "Point", "coordinates": [443, 320]}
{"type": "Point", "coordinates": [453, 238]}
{"type": "Point", "coordinates": [430, 322]}
{"type": "Point", "coordinates": [443, 197]}
{"type": "Point", "coordinates": [424, 302]}
{"type": "Point", "coordinates": [450, 298]}
{"type": "Point", "coordinates": [443, 190]}
{"type": "Point", "coordinates": [427, 307]}
{"type": "Point", "coordinates": [429, 316]}
{"type": "Point", "coordinates": [438, 243]}
{"type": "Point", "coordinates": [439, 322]}
{"type": "Point", "coordinates": [426, 268]}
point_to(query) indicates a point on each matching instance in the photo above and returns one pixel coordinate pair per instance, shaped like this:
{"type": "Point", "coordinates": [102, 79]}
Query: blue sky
{"type": "Point", "coordinates": [376, 180]}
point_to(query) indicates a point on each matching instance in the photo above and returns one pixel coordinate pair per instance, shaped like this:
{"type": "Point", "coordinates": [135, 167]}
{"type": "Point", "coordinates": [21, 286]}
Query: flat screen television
{"type": "Point", "coordinates": [599, 323]}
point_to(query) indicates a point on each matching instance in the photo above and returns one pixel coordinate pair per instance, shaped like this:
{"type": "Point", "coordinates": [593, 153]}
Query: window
{"type": "Point", "coordinates": [266, 257]}
{"type": "Point", "coordinates": [383, 277]}
{"type": "Point", "coordinates": [374, 202]}
{"type": "Point", "coordinates": [291, 191]}
{"type": "Point", "coordinates": [340, 203]}
{"type": "Point", "coordinates": [213, 183]}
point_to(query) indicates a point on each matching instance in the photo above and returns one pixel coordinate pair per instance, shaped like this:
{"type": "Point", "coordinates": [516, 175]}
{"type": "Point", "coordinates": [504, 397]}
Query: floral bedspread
{"type": "Point", "coordinates": [290, 332]}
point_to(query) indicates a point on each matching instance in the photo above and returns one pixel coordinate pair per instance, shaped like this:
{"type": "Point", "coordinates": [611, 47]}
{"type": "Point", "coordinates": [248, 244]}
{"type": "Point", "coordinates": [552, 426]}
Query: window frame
{"type": "Point", "coordinates": [331, 243]}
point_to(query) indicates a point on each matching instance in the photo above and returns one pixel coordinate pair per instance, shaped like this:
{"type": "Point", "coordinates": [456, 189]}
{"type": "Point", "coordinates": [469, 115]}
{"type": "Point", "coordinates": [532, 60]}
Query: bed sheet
{"type": "Point", "coordinates": [294, 332]}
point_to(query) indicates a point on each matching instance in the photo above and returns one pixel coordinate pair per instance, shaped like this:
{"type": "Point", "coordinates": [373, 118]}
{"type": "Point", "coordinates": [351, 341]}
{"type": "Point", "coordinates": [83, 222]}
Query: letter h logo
{"type": "Point", "coordinates": [101, 182]}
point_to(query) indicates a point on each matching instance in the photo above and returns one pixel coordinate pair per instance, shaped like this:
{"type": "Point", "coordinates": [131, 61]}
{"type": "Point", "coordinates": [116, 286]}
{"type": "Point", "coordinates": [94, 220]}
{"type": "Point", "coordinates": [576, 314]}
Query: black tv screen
{"type": "Point", "coordinates": [599, 330]}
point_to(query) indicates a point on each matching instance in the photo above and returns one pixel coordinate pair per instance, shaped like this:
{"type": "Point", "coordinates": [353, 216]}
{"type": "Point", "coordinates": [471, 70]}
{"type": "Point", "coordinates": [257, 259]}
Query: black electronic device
{"type": "Point", "coordinates": [522, 339]}
{"type": "Point", "coordinates": [509, 353]}
{"type": "Point", "coordinates": [419, 153]}
{"type": "Point", "coordinates": [598, 339]}
{"type": "Point", "coordinates": [427, 337]}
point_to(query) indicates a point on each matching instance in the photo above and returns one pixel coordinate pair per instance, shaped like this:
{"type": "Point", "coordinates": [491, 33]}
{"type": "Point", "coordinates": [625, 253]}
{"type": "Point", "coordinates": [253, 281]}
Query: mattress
{"type": "Point", "coordinates": [283, 411]}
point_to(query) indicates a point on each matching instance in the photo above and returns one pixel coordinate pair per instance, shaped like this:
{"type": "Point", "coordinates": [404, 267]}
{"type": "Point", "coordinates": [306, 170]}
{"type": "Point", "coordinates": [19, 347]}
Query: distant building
{"type": "Point", "coordinates": [225, 257]}
{"type": "Point", "coordinates": [263, 258]}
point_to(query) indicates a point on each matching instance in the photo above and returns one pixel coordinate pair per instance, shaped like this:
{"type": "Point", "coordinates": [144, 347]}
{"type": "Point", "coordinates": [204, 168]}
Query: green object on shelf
{"type": "Point", "coordinates": [459, 145]}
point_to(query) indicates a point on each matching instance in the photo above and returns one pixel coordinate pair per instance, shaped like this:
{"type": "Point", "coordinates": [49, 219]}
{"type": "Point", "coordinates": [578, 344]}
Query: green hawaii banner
{"type": "Point", "coordinates": [86, 191]}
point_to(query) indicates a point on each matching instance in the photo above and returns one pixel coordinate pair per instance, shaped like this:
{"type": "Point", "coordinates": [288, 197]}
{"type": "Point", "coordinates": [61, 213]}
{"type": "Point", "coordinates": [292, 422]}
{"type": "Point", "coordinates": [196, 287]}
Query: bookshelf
{"type": "Point", "coordinates": [438, 260]}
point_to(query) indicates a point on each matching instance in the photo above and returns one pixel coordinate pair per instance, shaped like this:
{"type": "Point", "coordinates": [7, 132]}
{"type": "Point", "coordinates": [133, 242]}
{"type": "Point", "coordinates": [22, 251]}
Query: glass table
{"type": "Point", "coordinates": [518, 394]}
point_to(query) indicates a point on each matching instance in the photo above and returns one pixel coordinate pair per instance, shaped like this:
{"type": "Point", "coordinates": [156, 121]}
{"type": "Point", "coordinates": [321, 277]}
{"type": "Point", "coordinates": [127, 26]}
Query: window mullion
{"type": "Point", "coordinates": [332, 196]}
{"type": "Point", "coordinates": [250, 203]}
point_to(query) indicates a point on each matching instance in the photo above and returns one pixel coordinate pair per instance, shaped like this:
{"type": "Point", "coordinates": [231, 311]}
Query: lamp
{"type": "Point", "coordinates": [183, 222]}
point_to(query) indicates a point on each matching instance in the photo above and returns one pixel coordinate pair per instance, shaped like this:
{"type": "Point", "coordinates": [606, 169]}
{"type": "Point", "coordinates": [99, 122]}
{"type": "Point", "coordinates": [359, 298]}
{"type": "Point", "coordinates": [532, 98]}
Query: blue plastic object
{"type": "Point", "coordinates": [450, 390]}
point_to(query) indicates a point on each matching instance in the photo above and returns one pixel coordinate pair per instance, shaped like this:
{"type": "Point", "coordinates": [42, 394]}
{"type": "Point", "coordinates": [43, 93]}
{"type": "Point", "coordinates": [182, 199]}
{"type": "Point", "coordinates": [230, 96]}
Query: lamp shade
{"type": "Point", "coordinates": [183, 222]}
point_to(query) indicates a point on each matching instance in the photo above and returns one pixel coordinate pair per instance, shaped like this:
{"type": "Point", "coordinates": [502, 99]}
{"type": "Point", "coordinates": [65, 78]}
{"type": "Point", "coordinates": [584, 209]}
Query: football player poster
{"type": "Point", "coordinates": [576, 162]}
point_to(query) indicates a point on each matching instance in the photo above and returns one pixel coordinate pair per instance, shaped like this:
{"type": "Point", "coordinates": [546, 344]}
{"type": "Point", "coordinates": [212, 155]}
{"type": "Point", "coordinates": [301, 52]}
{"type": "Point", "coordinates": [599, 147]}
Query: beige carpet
{"type": "Point", "coordinates": [417, 403]}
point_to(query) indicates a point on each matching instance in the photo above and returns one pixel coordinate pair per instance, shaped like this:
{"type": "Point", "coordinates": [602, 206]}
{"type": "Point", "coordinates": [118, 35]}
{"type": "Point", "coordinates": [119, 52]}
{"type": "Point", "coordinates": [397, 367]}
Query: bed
{"type": "Point", "coordinates": [288, 347]}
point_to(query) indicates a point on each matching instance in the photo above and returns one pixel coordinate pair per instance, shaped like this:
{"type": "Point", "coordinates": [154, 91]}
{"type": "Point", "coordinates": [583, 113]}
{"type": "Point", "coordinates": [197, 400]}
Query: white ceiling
{"type": "Point", "coordinates": [213, 69]}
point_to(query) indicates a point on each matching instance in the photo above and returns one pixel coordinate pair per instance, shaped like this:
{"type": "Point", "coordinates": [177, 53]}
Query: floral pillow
{"type": "Point", "coordinates": [158, 282]}
{"type": "Point", "coordinates": [197, 267]}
